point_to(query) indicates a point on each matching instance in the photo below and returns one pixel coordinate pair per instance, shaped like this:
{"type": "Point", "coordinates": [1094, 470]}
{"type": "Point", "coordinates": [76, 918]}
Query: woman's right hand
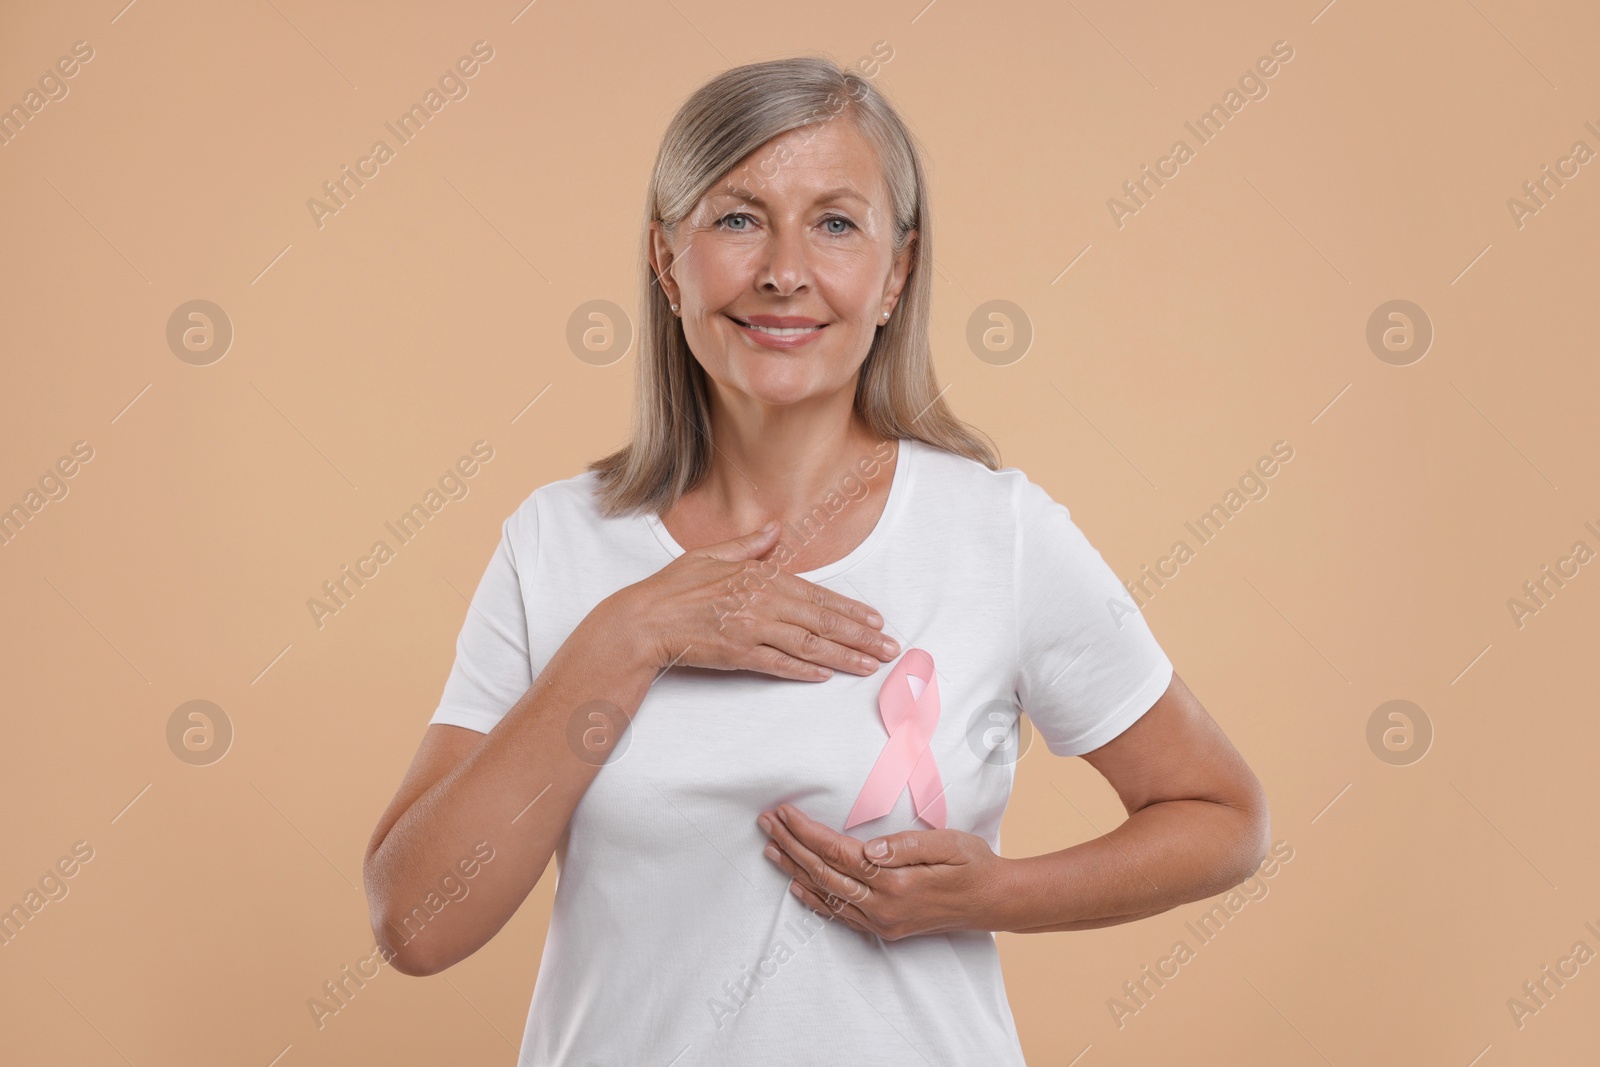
{"type": "Point", "coordinates": [721, 606]}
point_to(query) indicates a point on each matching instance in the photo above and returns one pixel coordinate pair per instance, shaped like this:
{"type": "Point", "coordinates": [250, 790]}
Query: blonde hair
{"type": "Point", "coordinates": [725, 120]}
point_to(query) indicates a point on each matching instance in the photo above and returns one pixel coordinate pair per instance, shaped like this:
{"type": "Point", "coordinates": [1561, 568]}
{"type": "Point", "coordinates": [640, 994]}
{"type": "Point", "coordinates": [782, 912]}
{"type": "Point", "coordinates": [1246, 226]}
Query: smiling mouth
{"type": "Point", "coordinates": [798, 331]}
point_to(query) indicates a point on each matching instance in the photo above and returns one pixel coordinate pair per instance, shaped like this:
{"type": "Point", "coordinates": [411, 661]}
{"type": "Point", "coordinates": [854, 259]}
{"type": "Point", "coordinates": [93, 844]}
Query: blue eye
{"type": "Point", "coordinates": [723, 223]}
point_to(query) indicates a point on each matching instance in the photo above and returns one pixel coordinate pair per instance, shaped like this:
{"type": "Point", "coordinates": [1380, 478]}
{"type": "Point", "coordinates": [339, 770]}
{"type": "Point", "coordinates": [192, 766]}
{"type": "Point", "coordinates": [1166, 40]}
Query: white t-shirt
{"type": "Point", "coordinates": [672, 935]}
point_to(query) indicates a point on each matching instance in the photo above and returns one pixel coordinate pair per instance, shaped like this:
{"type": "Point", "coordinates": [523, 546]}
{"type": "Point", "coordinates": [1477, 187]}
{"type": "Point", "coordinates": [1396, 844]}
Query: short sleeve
{"type": "Point", "coordinates": [1088, 665]}
{"type": "Point", "coordinates": [492, 669]}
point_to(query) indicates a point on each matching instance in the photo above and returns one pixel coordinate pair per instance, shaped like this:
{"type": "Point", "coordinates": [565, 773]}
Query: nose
{"type": "Point", "coordinates": [786, 268]}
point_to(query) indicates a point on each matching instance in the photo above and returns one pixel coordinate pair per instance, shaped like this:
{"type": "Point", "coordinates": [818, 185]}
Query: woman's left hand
{"type": "Point", "coordinates": [926, 881]}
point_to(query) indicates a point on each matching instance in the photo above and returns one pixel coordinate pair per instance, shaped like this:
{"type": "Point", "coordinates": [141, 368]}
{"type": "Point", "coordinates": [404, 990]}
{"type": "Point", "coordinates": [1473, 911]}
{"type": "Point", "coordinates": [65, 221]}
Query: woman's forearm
{"type": "Point", "coordinates": [1161, 856]}
{"type": "Point", "coordinates": [514, 793]}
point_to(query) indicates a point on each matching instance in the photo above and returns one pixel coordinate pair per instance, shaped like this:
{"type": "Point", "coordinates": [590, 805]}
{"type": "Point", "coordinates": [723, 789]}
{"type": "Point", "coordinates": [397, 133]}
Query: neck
{"type": "Point", "coordinates": [779, 463]}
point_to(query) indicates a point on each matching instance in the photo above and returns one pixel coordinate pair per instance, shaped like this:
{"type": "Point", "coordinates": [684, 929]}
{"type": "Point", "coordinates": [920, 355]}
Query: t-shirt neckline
{"type": "Point", "coordinates": [899, 487]}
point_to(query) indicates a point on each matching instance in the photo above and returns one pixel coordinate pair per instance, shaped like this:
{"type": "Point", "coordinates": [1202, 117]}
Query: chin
{"type": "Point", "coordinates": [781, 395]}
{"type": "Point", "coordinates": [778, 385]}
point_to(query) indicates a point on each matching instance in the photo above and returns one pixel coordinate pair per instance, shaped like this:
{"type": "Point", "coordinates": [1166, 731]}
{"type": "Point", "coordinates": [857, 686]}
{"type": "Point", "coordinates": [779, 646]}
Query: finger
{"type": "Point", "coordinates": [750, 644]}
{"type": "Point", "coordinates": [803, 608]}
{"type": "Point", "coordinates": [912, 846]}
{"type": "Point", "coordinates": [745, 546]}
{"type": "Point", "coordinates": [786, 863]}
{"type": "Point", "coordinates": [763, 643]}
{"type": "Point", "coordinates": [832, 907]}
{"type": "Point", "coordinates": [756, 544]}
{"type": "Point", "coordinates": [769, 660]}
{"type": "Point", "coordinates": [813, 648]}
{"type": "Point", "coordinates": [788, 866]}
{"type": "Point", "coordinates": [840, 851]}
{"type": "Point", "coordinates": [836, 602]}
{"type": "Point", "coordinates": [826, 863]}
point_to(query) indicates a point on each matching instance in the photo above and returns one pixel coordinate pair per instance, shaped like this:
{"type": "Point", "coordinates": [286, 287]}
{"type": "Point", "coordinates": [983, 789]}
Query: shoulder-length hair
{"type": "Point", "coordinates": [727, 119]}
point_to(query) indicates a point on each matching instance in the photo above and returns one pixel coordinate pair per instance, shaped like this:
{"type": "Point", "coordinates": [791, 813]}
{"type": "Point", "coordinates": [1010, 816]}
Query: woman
{"type": "Point", "coordinates": [657, 685]}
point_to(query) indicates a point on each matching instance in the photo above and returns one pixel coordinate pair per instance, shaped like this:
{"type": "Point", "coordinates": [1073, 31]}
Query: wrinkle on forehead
{"type": "Point", "coordinates": [833, 166]}
{"type": "Point", "coordinates": [715, 204]}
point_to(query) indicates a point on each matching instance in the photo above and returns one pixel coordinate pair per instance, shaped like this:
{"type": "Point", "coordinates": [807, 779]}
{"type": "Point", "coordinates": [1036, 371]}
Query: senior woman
{"type": "Point", "coordinates": [771, 757]}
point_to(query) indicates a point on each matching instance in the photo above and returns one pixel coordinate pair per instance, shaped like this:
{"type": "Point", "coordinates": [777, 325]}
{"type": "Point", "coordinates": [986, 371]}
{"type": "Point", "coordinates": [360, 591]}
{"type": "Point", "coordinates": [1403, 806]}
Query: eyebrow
{"type": "Point", "coordinates": [842, 192]}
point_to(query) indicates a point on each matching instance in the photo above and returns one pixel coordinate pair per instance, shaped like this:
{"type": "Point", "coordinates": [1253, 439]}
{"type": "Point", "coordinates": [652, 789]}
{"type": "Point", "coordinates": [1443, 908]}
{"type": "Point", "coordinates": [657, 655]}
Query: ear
{"type": "Point", "coordinates": [900, 272]}
{"type": "Point", "coordinates": [661, 261]}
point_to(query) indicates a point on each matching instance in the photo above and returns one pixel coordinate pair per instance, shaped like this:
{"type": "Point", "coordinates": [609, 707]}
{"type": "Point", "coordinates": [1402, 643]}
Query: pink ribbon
{"type": "Point", "coordinates": [907, 758]}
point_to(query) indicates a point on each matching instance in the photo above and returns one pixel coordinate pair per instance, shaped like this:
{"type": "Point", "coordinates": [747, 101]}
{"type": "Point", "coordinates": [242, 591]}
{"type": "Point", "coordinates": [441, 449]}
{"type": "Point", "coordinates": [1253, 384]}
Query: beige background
{"type": "Point", "coordinates": [1229, 313]}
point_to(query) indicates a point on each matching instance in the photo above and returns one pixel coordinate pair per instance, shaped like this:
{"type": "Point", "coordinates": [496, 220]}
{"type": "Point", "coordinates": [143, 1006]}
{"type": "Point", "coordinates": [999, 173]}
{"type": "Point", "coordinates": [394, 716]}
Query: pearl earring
{"type": "Point", "coordinates": [674, 307]}
{"type": "Point", "coordinates": [885, 314]}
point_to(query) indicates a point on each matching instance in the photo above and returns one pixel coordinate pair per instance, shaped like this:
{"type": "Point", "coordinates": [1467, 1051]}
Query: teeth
{"type": "Point", "coordinates": [794, 332]}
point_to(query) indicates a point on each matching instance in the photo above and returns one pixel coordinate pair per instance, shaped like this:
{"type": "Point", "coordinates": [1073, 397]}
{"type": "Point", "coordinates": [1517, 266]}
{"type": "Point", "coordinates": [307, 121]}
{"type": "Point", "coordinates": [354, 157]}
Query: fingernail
{"type": "Point", "coordinates": [874, 618]}
{"type": "Point", "coordinates": [765, 824]}
{"type": "Point", "coordinates": [794, 888]}
{"type": "Point", "coordinates": [770, 852]}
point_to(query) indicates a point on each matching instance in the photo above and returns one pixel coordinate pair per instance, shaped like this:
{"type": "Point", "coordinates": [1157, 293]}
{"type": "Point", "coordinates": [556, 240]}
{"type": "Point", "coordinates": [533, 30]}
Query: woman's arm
{"type": "Point", "coordinates": [465, 787]}
{"type": "Point", "coordinates": [1197, 825]}
{"type": "Point", "coordinates": [514, 789]}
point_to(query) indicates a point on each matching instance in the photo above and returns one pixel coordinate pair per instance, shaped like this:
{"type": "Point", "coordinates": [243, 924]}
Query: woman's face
{"type": "Point", "coordinates": [798, 234]}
